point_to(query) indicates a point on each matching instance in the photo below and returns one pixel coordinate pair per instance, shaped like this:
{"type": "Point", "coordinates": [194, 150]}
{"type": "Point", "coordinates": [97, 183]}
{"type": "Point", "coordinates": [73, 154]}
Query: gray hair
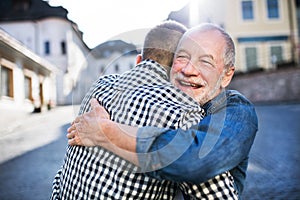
{"type": "Point", "coordinates": [229, 51]}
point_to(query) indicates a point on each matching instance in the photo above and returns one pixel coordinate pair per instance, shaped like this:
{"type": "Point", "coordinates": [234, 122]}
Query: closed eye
{"type": "Point", "coordinates": [207, 61]}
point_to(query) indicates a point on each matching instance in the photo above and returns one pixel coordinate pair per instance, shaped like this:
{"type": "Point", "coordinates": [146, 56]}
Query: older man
{"type": "Point", "coordinates": [203, 67]}
{"type": "Point", "coordinates": [141, 96]}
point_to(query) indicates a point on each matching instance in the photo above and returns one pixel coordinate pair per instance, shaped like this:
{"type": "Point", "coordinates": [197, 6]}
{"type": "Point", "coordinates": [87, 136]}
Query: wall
{"type": "Point", "coordinates": [282, 85]}
{"type": "Point", "coordinates": [33, 34]}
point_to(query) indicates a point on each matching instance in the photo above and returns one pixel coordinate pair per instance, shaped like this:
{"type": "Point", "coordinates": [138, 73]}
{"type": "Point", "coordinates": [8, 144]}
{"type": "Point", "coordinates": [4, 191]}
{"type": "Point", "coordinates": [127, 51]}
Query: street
{"type": "Point", "coordinates": [274, 168]}
{"type": "Point", "coordinates": [32, 151]}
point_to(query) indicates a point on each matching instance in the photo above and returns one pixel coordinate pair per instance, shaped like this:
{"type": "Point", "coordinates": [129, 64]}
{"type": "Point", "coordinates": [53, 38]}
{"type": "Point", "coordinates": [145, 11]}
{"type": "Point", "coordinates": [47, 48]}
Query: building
{"type": "Point", "coordinates": [48, 32]}
{"type": "Point", "coordinates": [111, 57]}
{"type": "Point", "coordinates": [265, 32]}
{"type": "Point", "coordinates": [27, 81]}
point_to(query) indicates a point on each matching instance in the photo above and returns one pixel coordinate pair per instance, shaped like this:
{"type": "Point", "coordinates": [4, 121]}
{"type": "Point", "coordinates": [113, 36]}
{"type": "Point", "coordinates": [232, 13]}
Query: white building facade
{"type": "Point", "coordinates": [51, 35]}
{"type": "Point", "coordinates": [27, 81]}
{"type": "Point", "coordinates": [111, 57]}
{"type": "Point", "coordinates": [265, 32]}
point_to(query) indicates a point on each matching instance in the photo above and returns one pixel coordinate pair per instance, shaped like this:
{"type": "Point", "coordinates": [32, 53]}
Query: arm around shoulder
{"type": "Point", "coordinates": [203, 151]}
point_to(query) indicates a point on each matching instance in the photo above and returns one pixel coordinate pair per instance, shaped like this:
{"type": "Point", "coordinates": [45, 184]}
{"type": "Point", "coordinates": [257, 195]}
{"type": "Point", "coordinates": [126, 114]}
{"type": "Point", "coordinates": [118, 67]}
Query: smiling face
{"type": "Point", "coordinates": [198, 68]}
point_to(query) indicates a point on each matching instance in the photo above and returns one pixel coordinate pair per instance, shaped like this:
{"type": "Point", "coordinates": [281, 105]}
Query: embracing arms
{"type": "Point", "coordinates": [95, 129]}
{"type": "Point", "coordinates": [220, 142]}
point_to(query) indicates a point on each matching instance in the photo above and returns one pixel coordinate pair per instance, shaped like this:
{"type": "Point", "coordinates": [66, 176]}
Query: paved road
{"type": "Point", "coordinates": [29, 158]}
{"type": "Point", "coordinates": [32, 148]}
{"type": "Point", "coordinates": [274, 170]}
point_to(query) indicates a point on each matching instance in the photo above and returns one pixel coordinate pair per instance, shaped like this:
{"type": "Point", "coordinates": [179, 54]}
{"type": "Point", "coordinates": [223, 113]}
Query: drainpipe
{"type": "Point", "coordinates": [37, 38]}
{"type": "Point", "coordinates": [292, 29]}
{"type": "Point", "coordinates": [0, 81]}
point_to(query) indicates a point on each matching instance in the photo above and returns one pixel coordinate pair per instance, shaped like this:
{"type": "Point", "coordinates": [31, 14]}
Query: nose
{"type": "Point", "coordinates": [190, 69]}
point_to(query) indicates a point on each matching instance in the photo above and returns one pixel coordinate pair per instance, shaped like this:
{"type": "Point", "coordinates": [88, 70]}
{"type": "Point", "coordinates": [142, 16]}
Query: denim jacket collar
{"type": "Point", "coordinates": [217, 103]}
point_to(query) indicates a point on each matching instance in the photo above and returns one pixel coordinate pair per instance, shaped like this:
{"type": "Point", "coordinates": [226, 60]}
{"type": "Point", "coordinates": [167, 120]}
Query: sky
{"type": "Point", "coordinates": [102, 20]}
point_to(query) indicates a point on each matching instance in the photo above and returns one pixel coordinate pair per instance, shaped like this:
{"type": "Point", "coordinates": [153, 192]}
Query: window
{"type": "Point", "coordinates": [102, 69]}
{"type": "Point", "coordinates": [63, 47]}
{"type": "Point", "coordinates": [28, 88]}
{"type": "Point", "coordinates": [131, 66]}
{"type": "Point", "coordinates": [247, 10]}
{"type": "Point", "coordinates": [6, 82]}
{"type": "Point", "coordinates": [47, 47]}
{"type": "Point", "coordinates": [116, 68]}
{"type": "Point", "coordinates": [273, 10]}
{"type": "Point", "coordinates": [276, 54]}
{"type": "Point", "coordinates": [251, 58]}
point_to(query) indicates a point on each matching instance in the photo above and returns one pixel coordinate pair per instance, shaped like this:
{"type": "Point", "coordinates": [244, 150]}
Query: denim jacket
{"type": "Point", "coordinates": [218, 143]}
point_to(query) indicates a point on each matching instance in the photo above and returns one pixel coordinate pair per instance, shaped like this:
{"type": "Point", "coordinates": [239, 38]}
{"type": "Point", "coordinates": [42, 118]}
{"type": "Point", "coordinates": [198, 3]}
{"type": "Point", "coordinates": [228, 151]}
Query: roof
{"type": "Point", "coordinates": [30, 10]}
{"type": "Point", "coordinates": [106, 49]}
{"type": "Point", "coordinates": [16, 10]}
{"type": "Point", "coordinates": [12, 49]}
{"type": "Point", "coordinates": [181, 15]}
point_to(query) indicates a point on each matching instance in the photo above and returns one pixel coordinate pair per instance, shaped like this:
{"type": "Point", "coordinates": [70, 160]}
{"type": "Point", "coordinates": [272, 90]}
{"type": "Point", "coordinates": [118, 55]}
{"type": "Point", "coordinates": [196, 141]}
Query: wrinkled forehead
{"type": "Point", "coordinates": [191, 42]}
{"type": "Point", "coordinates": [202, 41]}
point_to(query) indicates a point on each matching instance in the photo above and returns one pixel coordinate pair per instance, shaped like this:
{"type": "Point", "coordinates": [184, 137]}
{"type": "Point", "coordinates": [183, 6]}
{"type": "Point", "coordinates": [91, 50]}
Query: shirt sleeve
{"type": "Point", "coordinates": [218, 143]}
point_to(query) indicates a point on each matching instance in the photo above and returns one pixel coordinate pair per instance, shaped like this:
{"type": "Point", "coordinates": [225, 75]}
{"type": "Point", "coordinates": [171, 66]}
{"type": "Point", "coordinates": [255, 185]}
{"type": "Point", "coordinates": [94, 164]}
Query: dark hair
{"type": "Point", "coordinates": [161, 42]}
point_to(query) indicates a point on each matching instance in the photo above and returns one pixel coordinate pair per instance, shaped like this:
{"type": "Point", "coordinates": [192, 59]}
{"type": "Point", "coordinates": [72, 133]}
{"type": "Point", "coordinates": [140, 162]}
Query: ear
{"type": "Point", "coordinates": [228, 76]}
{"type": "Point", "coordinates": [138, 59]}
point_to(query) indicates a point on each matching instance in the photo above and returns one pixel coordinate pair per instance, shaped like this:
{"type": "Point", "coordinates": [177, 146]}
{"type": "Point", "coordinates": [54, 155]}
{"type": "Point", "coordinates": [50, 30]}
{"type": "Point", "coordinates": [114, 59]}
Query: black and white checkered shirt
{"type": "Point", "coordinates": [140, 97]}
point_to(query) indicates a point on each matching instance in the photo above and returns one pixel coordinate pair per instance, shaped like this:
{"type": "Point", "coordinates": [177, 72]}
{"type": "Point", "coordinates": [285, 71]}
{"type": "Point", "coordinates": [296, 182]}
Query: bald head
{"type": "Point", "coordinates": [229, 48]}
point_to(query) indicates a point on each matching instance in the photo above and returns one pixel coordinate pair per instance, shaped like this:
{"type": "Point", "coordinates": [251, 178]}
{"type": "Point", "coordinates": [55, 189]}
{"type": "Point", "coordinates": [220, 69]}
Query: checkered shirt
{"type": "Point", "coordinates": [140, 97]}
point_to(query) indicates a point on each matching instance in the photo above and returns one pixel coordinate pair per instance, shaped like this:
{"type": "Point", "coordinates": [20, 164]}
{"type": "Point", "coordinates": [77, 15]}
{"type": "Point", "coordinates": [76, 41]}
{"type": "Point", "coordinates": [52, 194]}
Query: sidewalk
{"type": "Point", "coordinates": [29, 131]}
{"type": "Point", "coordinates": [273, 171]}
{"type": "Point", "coordinates": [11, 120]}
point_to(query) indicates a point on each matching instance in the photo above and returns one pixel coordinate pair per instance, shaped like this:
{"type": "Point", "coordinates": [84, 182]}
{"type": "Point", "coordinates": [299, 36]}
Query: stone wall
{"type": "Point", "coordinates": [281, 85]}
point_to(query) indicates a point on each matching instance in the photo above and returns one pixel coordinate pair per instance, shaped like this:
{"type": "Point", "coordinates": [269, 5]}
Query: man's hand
{"type": "Point", "coordinates": [86, 129]}
{"type": "Point", "coordinates": [94, 128]}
